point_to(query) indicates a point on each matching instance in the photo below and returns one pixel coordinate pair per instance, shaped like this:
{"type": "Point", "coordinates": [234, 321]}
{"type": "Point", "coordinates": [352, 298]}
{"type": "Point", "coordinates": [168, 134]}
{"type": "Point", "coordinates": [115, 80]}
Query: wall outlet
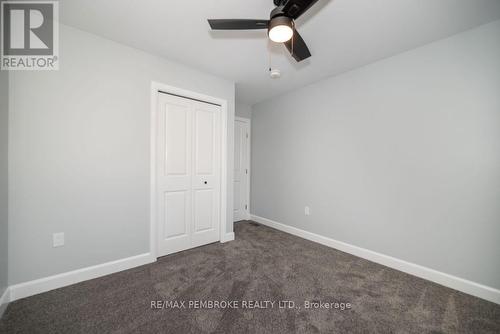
{"type": "Point", "coordinates": [58, 239]}
{"type": "Point", "coordinates": [307, 211]}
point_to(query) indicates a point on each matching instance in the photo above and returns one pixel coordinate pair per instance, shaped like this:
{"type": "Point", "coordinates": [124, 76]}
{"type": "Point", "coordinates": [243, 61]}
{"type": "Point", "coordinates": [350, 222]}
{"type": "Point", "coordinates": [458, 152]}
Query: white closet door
{"type": "Point", "coordinates": [241, 167]}
{"type": "Point", "coordinates": [188, 174]}
{"type": "Point", "coordinates": [206, 173]}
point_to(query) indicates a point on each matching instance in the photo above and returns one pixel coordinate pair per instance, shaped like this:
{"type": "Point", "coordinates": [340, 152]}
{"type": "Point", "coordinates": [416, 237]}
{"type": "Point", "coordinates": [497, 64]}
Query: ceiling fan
{"type": "Point", "coordinates": [280, 27]}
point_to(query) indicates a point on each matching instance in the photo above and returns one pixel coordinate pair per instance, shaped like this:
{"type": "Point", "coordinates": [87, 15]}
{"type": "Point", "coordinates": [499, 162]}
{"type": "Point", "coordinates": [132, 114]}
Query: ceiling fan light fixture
{"type": "Point", "coordinates": [280, 29]}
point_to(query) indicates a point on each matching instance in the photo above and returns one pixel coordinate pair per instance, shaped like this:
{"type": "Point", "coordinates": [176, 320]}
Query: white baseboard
{"type": "Point", "coordinates": [45, 284]}
{"type": "Point", "coordinates": [457, 283]}
{"type": "Point", "coordinates": [34, 287]}
{"type": "Point", "coordinates": [227, 237]}
{"type": "Point", "coordinates": [4, 301]}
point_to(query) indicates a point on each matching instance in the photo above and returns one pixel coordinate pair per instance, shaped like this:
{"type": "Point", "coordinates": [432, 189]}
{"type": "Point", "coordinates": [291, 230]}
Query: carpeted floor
{"type": "Point", "coordinates": [261, 265]}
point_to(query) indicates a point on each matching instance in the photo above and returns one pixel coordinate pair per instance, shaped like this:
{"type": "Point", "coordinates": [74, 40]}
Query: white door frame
{"type": "Point", "coordinates": [156, 87]}
{"type": "Point", "coordinates": [249, 161]}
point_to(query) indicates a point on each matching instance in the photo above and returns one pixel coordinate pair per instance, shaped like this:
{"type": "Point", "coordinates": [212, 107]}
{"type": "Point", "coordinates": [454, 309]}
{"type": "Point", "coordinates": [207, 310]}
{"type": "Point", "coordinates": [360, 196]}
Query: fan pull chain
{"type": "Point", "coordinates": [270, 63]}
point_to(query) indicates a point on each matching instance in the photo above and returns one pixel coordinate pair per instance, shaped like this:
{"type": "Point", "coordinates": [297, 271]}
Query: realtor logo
{"type": "Point", "coordinates": [30, 35]}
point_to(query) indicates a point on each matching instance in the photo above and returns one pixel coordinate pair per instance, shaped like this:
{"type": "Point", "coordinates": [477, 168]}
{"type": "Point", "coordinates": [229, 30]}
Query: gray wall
{"type": "Point", "coordinates": [80, 141]}
{"type": "Point", "coordinates": [4, 233]}
{"type": "Point", "coordinates": [401, 157]}
{"type": "Point", "coordinates": [243, 110]}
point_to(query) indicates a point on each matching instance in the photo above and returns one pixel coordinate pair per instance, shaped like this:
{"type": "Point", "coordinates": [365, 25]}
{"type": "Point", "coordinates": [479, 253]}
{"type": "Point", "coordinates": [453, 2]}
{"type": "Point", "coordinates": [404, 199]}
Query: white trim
{"type": "Point", "coordinates": [228, 237]}
{"type": "Point", "coordinates": [35, 287]}
{"type": "Point", "coordinates": [155, 88]}
{"type": "Point", "coordinates": [457, 283]}
{"type": "Point", "coordinates": [249, 161]}
{"type": "Point", "coordinates": [4, 301]}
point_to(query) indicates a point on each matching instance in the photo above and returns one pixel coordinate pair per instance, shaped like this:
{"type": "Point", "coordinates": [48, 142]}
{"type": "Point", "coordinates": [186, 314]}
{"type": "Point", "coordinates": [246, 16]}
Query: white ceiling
{"type": "Point", "coordinates": [341, 34]}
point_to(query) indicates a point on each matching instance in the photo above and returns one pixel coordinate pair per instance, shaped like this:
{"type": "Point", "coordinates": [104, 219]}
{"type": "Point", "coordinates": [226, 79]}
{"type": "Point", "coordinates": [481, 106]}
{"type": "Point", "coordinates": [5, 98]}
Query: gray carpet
{"type": "Point", "coordinates": [262, 264]}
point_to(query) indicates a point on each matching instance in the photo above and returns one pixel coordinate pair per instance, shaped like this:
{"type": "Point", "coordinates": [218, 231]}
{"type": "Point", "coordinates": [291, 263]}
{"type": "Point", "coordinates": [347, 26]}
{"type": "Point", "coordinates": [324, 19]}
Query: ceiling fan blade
{"type": "Point", "coordinates": [295, 8]}
{"type": "Point", "coordinates": [238, 24]}
{"type": "Point", "coordinates": [297, 47]}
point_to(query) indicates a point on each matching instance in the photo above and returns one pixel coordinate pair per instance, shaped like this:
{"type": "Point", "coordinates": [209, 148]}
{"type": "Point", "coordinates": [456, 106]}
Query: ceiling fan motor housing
{"type": "Point", "coordinates": [278, 11]}
{"type": "Point", "coordinates": [280, 21]}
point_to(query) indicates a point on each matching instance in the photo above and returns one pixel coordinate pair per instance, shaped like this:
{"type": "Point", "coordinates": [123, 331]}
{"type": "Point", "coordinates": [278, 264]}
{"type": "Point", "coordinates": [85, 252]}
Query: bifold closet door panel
{"type": "Point", "coordinates": [206, 173]}
{"type": "Point", "coordinates": [174, 174]}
